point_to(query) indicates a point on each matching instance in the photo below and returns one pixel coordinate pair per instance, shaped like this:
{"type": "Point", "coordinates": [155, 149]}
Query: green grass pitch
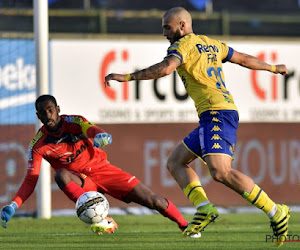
{"type": "Point", "coordinates": [230, 231]}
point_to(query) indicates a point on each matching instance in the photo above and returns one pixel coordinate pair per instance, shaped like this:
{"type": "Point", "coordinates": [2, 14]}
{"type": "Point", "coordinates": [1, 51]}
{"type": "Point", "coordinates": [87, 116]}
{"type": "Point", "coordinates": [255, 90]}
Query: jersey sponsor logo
{"type": "Point", "coordinates": [211, 58]}
{"type": "Point", "coordinates": [207, 48]}
{"type": "Point", "coordinates": [215, 128]}
{"type": "Point", "coordinates": [216, 137]}
{"type": "Point", "coordinates": [67, 154]}
{"type": "Point", "coordinates": [69, 157]}
{"type": "Point", "coordinates": [216, 146]}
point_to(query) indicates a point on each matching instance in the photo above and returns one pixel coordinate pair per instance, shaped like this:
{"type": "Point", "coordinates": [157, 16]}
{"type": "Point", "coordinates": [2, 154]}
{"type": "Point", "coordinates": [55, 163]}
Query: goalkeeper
{"type": "Point", "coordinates": [81, 166]}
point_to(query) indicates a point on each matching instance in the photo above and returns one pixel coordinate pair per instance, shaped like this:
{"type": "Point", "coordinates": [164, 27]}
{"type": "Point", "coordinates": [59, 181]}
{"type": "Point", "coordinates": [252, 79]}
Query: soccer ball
{"type": "Point", "coordinates": [92, 207]}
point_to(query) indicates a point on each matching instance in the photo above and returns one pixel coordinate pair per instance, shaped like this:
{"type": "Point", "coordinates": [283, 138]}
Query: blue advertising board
{"type": "Point", "coordinates": [17, 81]}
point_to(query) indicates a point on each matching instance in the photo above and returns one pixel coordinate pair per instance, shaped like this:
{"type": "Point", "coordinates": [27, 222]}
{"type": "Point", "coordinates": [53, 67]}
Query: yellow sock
{"type": "Point", "coordinates": [261, 200]}
{"type": "Point", "coordinates": [196, 194]}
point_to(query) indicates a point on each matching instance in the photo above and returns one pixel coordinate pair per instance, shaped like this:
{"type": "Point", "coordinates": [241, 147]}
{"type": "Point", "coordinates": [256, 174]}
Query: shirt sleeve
{"type": "Point", "coordinates": [88, 128]}
{"type": "Point", "coordinates": [28, 185]}
{"type": "Point", "coordinates": [173, 51]}
{"type": "Point", "coordinates": [227, 52]}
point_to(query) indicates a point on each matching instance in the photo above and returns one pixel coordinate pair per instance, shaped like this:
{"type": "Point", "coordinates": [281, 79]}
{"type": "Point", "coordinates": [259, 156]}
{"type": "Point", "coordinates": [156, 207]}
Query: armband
{"type": "Point", "coordinates": [273, 68]}
{"type": "Point", "coordinates": [127, 77]}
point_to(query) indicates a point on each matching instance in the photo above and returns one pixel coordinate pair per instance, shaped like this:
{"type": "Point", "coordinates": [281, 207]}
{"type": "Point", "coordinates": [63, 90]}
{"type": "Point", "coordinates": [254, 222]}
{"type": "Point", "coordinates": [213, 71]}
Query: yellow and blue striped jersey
{"type": "Point", "coordinates": [201, 71]}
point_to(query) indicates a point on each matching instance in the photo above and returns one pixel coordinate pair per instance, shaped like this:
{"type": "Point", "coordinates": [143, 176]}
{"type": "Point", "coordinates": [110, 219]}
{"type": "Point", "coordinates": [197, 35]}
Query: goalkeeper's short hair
{"type": "Point", "coordinates": [43, 98]}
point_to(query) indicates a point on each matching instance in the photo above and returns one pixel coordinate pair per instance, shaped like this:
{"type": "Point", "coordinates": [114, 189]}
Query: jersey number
{"type": "Point", "coordinates": [217, 74]}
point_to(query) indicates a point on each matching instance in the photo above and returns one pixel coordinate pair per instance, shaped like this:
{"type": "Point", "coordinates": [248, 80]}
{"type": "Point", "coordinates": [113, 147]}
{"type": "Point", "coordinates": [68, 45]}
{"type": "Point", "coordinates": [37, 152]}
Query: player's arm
{"type": "Point", "coordinates": [165, 67]}
{"type": "Point", "coordinates": [24, 192]}
{"type": "Point", "coordinates": [252, 62]}
{"type": "Point", "coordinates": [101, 138]}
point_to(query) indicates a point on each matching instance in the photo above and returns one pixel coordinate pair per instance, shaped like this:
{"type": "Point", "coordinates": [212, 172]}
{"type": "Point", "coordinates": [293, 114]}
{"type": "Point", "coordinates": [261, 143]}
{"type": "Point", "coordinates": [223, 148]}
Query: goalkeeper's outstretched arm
{"type": "Point", "coordinates": [101, 138]}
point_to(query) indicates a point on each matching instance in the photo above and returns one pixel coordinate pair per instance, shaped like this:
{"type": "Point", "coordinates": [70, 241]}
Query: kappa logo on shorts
{"type": "Point", "coordinates": [216, 137]}
{"type": "Point", "coordinates": [216, 146]}
{"type": "Point", "coordinates": [216, 128]}
{"type": "Point", "coordinates": [215, 119]}
{"type": "Point", "coordinates": [214, 112]}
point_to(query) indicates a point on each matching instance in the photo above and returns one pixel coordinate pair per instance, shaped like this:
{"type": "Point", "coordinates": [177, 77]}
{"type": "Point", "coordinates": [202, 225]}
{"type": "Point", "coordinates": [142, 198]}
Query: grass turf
{"type": "Point", "coordinates": [231, 231]}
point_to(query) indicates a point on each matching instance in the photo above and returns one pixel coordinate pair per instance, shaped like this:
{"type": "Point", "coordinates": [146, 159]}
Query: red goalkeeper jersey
{"type": "Point", "coordinates": [71, 149]}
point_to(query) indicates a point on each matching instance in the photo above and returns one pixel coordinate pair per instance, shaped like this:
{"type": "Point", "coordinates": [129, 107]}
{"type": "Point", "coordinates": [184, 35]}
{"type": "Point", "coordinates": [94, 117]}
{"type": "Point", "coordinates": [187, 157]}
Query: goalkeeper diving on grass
{"type": "Point", "coordinates": [72, 146]}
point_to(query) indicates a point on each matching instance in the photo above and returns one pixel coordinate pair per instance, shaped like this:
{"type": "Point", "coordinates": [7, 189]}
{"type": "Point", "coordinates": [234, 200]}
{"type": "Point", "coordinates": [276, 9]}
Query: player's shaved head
{"type": "Point", "coordinates": [176, 23]}
{"type": "Point", "coordinates": [179, 14]}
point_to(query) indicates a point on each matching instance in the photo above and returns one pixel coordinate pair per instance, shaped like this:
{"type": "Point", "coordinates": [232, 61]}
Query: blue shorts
{"type": "Point", "coordinates": [215, 135]}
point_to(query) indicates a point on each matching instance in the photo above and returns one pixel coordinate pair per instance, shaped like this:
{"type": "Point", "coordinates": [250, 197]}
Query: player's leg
{"type": "Point", "coordinates": [221, 171]}
{"type": "Point", "coordinates": [74, 185]}
{"type": "Point", "coordinates": [125, 187]}
{"type": "Point", "coordinates": [185, 176]}
{"type": "Point", "coordinates": [217, 139]}
{"type": "Point", "coordinates": [69, 183]}
{"type": "Point", "coordinates": [189, 181]}
{"type": "Point", "coordinates": [144, 196]}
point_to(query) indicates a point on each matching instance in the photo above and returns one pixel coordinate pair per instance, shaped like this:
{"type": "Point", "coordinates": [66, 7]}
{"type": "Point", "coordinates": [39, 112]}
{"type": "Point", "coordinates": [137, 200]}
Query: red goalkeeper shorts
{"type": "Point", "coordinates": [111, 180]}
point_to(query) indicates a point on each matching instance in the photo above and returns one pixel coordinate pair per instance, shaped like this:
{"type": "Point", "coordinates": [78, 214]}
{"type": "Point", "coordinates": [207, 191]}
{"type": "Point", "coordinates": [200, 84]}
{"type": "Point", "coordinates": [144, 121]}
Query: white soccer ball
{"type": "Point", "coordinates": [92, 207]}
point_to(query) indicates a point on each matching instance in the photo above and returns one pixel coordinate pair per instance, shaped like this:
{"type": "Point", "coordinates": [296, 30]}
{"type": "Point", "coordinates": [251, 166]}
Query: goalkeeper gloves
{"type": "Point", "coordinates": [102, 139]}
{"type": "Point", "coordinates": [7, 212]}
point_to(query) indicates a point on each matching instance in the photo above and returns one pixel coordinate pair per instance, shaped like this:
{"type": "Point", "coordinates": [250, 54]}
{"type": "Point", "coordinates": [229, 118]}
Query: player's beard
{"type": "Point", "coordinates": [177, 35]}
{"type": "Point", "coordinates": [54, 126]}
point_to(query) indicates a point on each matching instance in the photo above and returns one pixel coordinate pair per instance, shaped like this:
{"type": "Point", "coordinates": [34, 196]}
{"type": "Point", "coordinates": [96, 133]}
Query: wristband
{"type": "Point", "coordinates": [273, 68]}
{"type": "Point", "coordinates": [14, 205]}
{"type": "Point", "coordinates": [127, 77]}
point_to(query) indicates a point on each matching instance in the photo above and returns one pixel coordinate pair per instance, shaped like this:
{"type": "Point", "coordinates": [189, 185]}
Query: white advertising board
{"type": "Point", "coordinates": [78, 68]}
{"type": "Point", "coordinates": [262, 96]}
